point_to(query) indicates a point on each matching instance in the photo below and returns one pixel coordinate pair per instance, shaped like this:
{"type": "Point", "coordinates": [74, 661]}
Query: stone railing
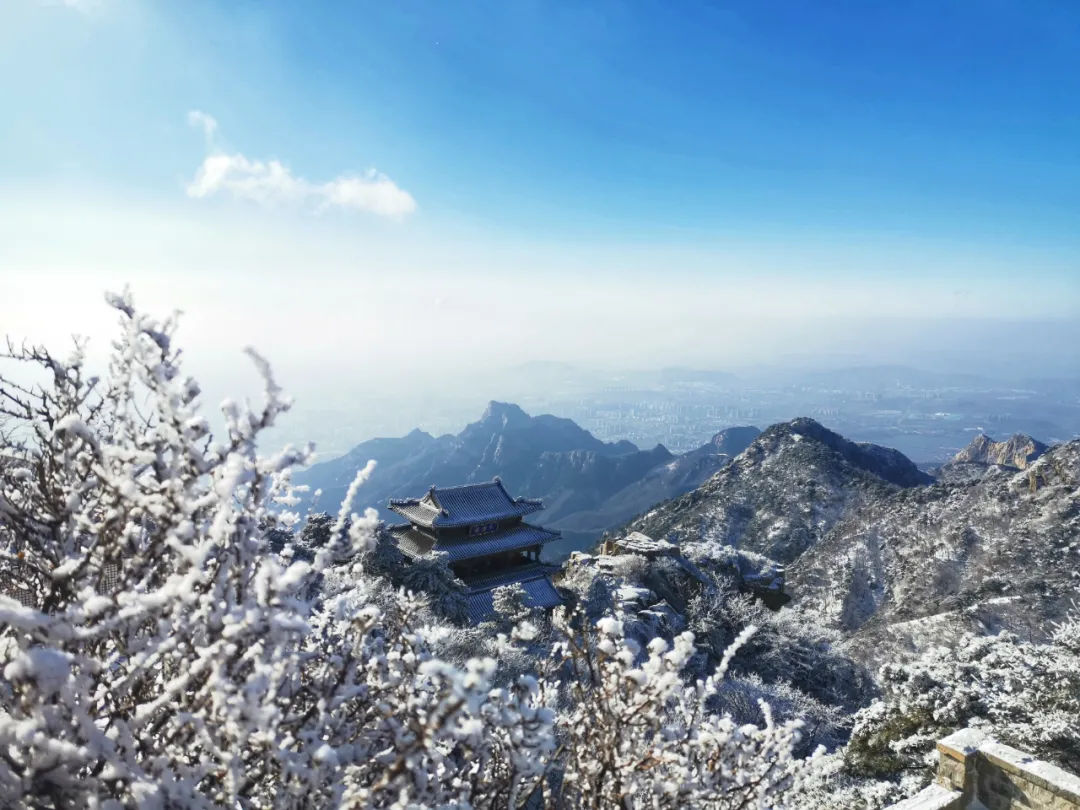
{"type": "Point", "coordinates": [974, 771]}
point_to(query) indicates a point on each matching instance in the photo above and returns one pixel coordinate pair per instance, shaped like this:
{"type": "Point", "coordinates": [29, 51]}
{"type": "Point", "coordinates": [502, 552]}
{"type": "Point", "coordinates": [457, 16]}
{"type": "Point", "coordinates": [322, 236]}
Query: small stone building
{"type": "Point", "coordinates": [480, 528]}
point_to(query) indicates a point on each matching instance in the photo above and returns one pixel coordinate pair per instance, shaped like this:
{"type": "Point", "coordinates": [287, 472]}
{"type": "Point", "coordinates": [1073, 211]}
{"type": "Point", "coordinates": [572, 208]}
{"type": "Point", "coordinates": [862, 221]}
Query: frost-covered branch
{"type": "Point", "coordinates": [163, 645]}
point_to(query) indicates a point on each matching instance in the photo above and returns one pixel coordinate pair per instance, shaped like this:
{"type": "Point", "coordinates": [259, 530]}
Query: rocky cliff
{"type": "Point", "coordinates": [1017, 451]}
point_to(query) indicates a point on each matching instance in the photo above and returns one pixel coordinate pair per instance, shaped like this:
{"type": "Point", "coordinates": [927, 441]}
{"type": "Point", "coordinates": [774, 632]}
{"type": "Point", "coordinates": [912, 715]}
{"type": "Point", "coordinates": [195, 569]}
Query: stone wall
{"type": "Point", "coordinates": [1008, 778]}
{"type": "Point", "coordinates": [975, 771]}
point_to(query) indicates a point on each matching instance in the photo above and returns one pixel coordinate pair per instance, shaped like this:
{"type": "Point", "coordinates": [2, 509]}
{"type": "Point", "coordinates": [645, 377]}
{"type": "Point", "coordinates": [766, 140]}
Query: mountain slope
{"type": "Point", "coordinates": [881, 552]}
{"type": "Point", "coordinates": [784, 493]}
{"type": "Point", "coordinates": [1002, 549]}
{"type": "Point", "coordinates": [730, 441]}
{"type": "Point", "coordinates": [681, 474]}
{"type": "Point", "coordinates": [399, 459]}
{"type": "Point", "coordinates": [504, 442]}
{"type": "Point", "coordinates": [581, 479]}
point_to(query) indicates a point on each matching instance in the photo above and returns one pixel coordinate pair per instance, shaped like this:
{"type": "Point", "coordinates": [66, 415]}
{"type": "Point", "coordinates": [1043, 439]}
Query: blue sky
{"type": "Point", "coordinates": [954, 120]}
{"type": "Point", "coordinates": [691, 162]}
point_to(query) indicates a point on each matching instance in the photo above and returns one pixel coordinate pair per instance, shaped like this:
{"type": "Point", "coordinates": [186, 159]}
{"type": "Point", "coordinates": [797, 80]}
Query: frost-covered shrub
{"type": "Point", "coordinates": [157, 652]}
{"type": "Point", "coordinates": [721, 560]}
{"type": "Point", "coordinates": [822, 724]}
{"type": "Point", "coordinates": [786, 649]}
{"type": "Point", "coordinates": [832, 787]}
{"type": "Point", "coordinates": [630, 568]}
{"type": "Point", "coordinates": [384, 558]}
{"type": "Point", "coordinates": [1022, 693]}
{"type": "Point", "coordinates": [172, 660]}
{"type": "Point", "coordinates": [794, 665]}
{"type": "Point", "coordinates": [638, 735]}
{"type": "Point", "coordinates": [509, 603]}
{"type": "Point", "coordinates": [381, 558]}
{"type": "Point", "coordinates": [433, 576]}
{"type": "Point", "coordinates": [592, 590]}
{"type": "Point", "coordinates": [316, 535]}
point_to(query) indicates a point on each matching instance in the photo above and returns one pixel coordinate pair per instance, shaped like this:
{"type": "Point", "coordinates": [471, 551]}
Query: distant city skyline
{"type": "Point", "coordinates": [357, 189]}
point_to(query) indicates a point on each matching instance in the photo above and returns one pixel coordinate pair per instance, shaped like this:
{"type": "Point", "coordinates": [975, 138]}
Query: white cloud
{"type": "Point", "coordinates": [270, 182]}
{"type": "Point", "coordinates": [200, 120]}
{"type": "Point", "coordinates": [249, 179]}
{"type": "Point", "coordinates": [373, 192]}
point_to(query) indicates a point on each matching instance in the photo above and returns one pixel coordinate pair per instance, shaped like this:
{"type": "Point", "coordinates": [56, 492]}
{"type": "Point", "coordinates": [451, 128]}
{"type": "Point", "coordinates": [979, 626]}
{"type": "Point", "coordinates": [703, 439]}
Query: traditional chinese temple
{"type": "Point", "coordinates": [488, 545]}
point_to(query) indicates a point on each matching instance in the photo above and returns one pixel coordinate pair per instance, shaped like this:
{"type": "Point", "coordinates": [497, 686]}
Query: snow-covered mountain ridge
{"type": "Point", "coordinates": [952, 546]}
{"type": "Point", "coordinates": [872, 543]}
{"type": "Point", "coordinates": [784, 492]}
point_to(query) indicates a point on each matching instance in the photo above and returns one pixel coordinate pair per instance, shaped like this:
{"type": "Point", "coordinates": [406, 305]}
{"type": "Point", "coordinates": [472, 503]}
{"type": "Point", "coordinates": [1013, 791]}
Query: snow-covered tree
{"type": "Point", "coordinates": [315, 535]}
{"type": "Point", "coordinates": [637, 735]}
{"type": "Point", "coordinates": [158, 651]}
{"type": "Point", "coordinates": [433, 576]}
{"type": "Point", "coordinates": [1023, 693]}
{"type": "Point", "coordinates": [787, 647]}
{"type": "Point", "coordinates": [509, 603]}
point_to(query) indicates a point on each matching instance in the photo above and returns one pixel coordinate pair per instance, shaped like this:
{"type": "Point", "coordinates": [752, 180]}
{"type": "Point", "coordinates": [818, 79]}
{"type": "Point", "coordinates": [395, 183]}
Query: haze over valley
{"type": "Point", "coordinates": [929, 416]}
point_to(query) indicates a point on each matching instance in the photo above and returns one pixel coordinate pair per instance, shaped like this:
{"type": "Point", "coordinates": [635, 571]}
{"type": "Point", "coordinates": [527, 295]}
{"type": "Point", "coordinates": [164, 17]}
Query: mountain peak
{"type": "Point", "coordinates": [884, 462]}
{"type": "Point", "coordinates": [1018, 451]}
{"type": "Point", "coordinates": [801, 426]}
{"type": "Point", "coordinates": [810, 427]}
{"type": "Point", "coordinates": [506, 414]}
{"type": "Point", "coordinates": [784, 493]}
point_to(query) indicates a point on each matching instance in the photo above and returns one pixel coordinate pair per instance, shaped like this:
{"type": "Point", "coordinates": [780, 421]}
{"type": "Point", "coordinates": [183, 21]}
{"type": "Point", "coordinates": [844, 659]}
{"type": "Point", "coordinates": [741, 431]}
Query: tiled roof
{"type": "Point", "coordinates": [539, 593]}
{"type": "Point", "coordinates": [518, 574]}
{"type": "Point", "coordinates": [416, 543]}
{"type": "Point", "coordinates": [453, 507]}
{"type": "Point", "coordinates": [412, 541]}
